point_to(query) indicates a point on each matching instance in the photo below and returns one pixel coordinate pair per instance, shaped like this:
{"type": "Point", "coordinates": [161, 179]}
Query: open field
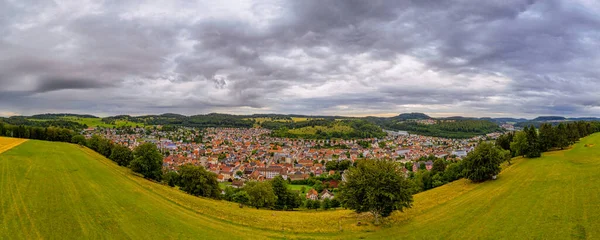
{"type": "Point", "coordinates": [303, 119]}
{"type": "Point", "coordinates": [223, 185]}
{"type": "Point", "coordinates": [313, 130]}
{"type": "Point", "coordinates": [260, 120]}
{"type": "Point", "coordinates": [299, 187]}
{"type": "Point", "coordinates": [95, 122]}
{"type": "Point", "coordinates": [8, 143]}
{"type": "Point", "coordinates": [59, 190]}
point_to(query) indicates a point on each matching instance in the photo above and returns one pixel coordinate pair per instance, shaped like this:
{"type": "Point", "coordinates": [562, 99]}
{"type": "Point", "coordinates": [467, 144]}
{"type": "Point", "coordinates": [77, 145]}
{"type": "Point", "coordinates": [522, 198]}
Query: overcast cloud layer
{"type": "Point", "coordinates": [472, 58]}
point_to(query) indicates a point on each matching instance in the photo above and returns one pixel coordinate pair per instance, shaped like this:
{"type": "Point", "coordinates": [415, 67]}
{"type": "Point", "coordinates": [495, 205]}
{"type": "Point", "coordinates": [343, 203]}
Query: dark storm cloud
{"type": "Point", "coordinates": [512, 57]}
{"type": "Point", "coordinates": [58, 83]}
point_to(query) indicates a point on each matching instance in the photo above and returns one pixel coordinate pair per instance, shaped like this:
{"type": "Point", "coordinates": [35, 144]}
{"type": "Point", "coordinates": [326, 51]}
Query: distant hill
{"type": "Point", "coordinates": [548, 118]}
{"type": "Point", "coordinates": [414, 115]}
{"type": "Point", "coordinates": [60, 115]}
{"type": "Point", "coordinates": [507, 120]}
{"type": "Point", "coordinates": [585, 119]}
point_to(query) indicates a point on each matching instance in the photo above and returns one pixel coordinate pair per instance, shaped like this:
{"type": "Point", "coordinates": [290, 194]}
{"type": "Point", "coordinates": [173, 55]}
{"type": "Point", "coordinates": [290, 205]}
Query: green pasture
{"type": "Point", "coordinates": [62, 191]}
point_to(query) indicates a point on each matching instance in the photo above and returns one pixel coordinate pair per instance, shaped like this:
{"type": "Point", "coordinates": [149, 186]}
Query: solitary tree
{"type": "Point", "coordinates": [376, 186]}
{"type": "Point", "coordinates": [484, 162]}
{"type": "Point", "coordinates": [147, 161]}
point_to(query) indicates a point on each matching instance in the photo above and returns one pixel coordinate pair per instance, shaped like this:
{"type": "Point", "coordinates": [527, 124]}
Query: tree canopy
{"type": "Point", "coordinates": [376, 186]}
{"type": "Point", "coordinates": [197, 181]}
{"type": "Point", "coordinates": [286, 199]}
{"type": "Point", "coordinates": [121, 155]}
{"type": "Point", "coordinates": [484, 162]}
{"type": "Point", "coordinates": [519, 143]}
{"type": "Point", "coordinates": [261, 194]}
{"type": "Point", "coordinates": [147, 161]}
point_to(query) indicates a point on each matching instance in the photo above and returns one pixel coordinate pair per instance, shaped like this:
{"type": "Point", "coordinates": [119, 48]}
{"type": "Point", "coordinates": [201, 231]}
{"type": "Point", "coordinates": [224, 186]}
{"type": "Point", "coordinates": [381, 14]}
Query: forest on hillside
{"type": "Point", "coordinates": [465, 128]}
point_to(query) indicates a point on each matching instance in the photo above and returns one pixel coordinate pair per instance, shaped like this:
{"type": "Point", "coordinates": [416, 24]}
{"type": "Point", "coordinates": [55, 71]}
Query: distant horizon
{"type": "Point", "coordinates": [349, 58]}
{"type": "Point", "coordinates": [316, 115]}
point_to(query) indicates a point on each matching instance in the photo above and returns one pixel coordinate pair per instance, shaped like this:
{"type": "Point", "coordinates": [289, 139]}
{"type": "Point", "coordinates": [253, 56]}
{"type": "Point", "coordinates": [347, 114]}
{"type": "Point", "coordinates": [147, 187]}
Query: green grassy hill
{"type": "Point", "coordinates": [59, 190]}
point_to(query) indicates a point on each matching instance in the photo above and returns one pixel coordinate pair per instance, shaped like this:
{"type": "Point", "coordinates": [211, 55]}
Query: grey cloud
{"type": "Point", "coordinates": [58, 83]}
{"type": "Point", "coordinates": [547, 49]}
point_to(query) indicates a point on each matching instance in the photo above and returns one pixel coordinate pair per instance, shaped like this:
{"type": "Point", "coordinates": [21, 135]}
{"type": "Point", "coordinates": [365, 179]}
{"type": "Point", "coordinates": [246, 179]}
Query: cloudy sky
{"type": "Point", "coordinates": [459, 57]}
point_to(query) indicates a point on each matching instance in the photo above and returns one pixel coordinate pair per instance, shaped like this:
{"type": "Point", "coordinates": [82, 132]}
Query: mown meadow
{"type": "Point", "coordinates": [60, 190]}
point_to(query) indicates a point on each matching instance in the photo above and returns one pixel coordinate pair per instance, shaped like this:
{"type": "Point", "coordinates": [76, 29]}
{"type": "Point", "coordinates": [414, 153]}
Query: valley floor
{"type": "Point", "coordinates": [60, 190]}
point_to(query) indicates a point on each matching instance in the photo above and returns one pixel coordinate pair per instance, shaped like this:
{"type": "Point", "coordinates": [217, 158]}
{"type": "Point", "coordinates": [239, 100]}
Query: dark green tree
{"type": "Point", "coordinates": [572, 133]}
{"type": "Point", "coordinates": [409, 166]}
{"type": "Point", "coordinates": [316, 204]}
{"type": "Point", "coordinates": [79, 139]}
{"type": "Point", "coordinates": [286, 199]}
{"type": "Point", "coordinates": [121, 155]}
{"type": "Point", "coordinates": [228, 193]}
{"type": "Point", "coordinates": [504, 140]}
{"type": "Point", "coordinates": [105, 147]}
{"type": "Point", "coordinates": [318, 186]}
{"type": "Point", "coordinates": [484, 162]}
{"type": "Point", "coordinates": [94, 142]}
{"type": "Point", "coordinates": [197, 181]}
{"type": "Point", "coordinates": [147, 161]}
{"type": "Point", "coordinates": [439, 165]}
{"type": "Point", "coordinates": [547, 137]}
{"type": "Point", "coordinates": [335, 203]}
{"type": "Point", "coordinates": [562, 139]}
{"type": "Point", "coordinates": [453, 172]}
{"type": "Point", "coordinates": [533, 149]}
{"type": "Point", "coordinates": [519, 144]}
{"type": "Point", "coordinates": [376, 186]}
{"type": "Point", "coordinates": [241, 197]}
{"type": "Point", "coordinates": [260, 194]}
{"type": "Point", "coordinates": [326, 204]}
{"type": "Point", "coordinates": [171, 178]}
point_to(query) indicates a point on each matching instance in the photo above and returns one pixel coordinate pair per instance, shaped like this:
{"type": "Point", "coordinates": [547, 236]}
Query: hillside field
{"type": "Point", "coordinates": [8, 143]}
{"type": "Point", "coordinates": [60, 190]}
{"type": "Point", "coordinates": [94, 122]}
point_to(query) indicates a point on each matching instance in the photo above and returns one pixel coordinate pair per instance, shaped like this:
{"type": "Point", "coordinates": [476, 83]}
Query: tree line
{"type": "Point", "coordinates": [531, 143]}
{"type": "Point", "coordinates": [459, 128]}
{"type": "Point", "coordinates": [51, 133]}
{"type": "Point", "coordinates": [42, 123]}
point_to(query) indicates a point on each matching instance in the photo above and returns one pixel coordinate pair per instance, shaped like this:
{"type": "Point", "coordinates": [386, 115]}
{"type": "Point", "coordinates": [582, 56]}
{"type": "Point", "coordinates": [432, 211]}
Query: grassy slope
{"type": "Point", "coordinates": [8, 143]}
{"type": "Point", "coordinates": [553, 197]}
{"type": "Point", "coordinates": [57, 190]}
